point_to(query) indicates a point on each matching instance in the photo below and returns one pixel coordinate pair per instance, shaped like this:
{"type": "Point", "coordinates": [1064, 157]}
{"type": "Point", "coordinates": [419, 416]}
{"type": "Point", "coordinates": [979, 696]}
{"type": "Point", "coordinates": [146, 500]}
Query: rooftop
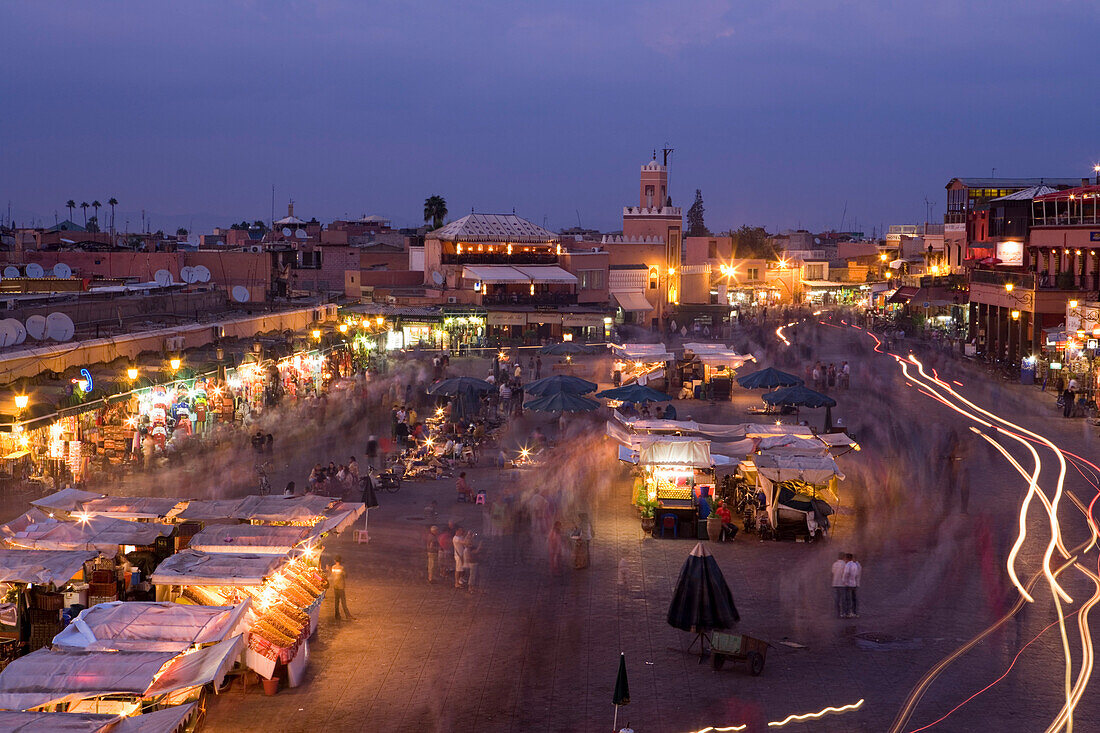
{"type": "Point", "coordinates": [1015, 182]}
{"type": "Point", "coordinates": [493, 228]}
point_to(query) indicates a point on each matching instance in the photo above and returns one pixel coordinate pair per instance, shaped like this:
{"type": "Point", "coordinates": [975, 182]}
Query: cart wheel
{"type": "Point", "coordinates": [756, 663]}
{"type": "Point", "coordinates": [717, 661]}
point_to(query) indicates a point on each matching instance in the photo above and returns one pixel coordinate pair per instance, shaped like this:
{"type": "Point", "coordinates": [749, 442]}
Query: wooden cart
{"type": "Point", "coordinates": [740, 647]}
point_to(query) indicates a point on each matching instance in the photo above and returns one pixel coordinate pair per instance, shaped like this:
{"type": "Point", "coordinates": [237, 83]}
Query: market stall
{"type": "Point", "coordinates": [796, 488]}
{"type": "Point", "coordinates": [675, 471]}
{"type": "Point", "coordinates": [251, 538]}
{"type": "Point", "coordinates": [113, 682]}
{"type": "Point", "coordinates": [37, 586]}
{"type": "Point", "coordinates": [152, 627]}
{"type": "Point", "coordinates": [285, 591]}
{"type": "Point", "coordinates": [166, 720]}
{"type": "Point", "coordinates": [707, 370]}
{"type": "Point", "coordinates": [642, 363]}
{"type": "Point", "coordinates": [132, 507]}
{"type": "Point", "coordinates": [64, 501]}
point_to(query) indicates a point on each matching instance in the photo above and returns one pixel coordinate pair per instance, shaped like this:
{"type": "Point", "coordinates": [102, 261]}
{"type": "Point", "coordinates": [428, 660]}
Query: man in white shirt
{"type": "Point", "coordinates": [840, 592]}
{"type": "Point", "coordinates": [853, 573]}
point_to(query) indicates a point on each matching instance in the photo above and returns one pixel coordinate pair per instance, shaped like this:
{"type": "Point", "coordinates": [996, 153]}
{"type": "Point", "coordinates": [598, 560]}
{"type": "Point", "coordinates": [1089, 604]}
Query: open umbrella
{"type": "Point", "coordinates": [565, 348]}
{"type": "Point", "coordinates": [634, 393]}
{"type": "Point", "coordinates": [459, 385]}
{"type": "Point", "coordinates": [560, 383]}
{"type": "Point", "coordinates": [769, 378]}
{"type": "Point", "coordinates": [562, 402]}
{"type": "Point", "coordinates": [801, 396]}
{"type": "Point", "coordinates": [622, 690]}
{"type": "Point", "coordinates": [701, 601]}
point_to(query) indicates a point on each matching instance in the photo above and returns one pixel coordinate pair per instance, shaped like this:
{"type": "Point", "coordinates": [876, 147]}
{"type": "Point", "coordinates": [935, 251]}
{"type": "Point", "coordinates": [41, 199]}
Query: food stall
{"type": "Point", "coordinates": [152, 627]}
{"type": "Point", "coordinates": [642, 363]}
{"type": "Point", "coordinates": [795, 486]}
{"type": "Point", "coordinates": [707, 370]}
{"type": "Point", "coordinates": [61, 503]}
{"type": "Point", "coordinates": [674, 472]}
{"type": "Point", "coordinates": [138, 508]}
{"type": "Point", "coordinates": [38, 585]}
{"type": "Point", "coordinates": [166, 720]}
{"type": "Point", "coordinates": [261, 539]}
{"type": "Point", "coordinates": [285, 592]}
{"type": "Point", "coordinates": [114, 682]}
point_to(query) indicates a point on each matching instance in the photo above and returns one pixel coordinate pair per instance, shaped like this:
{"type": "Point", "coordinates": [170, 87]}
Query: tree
{"type": "Point", "coordinates": [435, 211]}
{"type": "Point", "coordinates": [93, 224]}
{"type": "Point", "coordinates": [96, 205]}
{"type": "Point", "coordinates": [84, 206]}
{"type": "Point", "coordinates": [181, 233]}
{"type": "Point", "coordinates": [696, 226]}
{"type": "Point", "coordinates": [70, 205]}
{"type": "Point", "coordinates": [112, 202]}
{"type": "Point", "coordinates": [751, 243]}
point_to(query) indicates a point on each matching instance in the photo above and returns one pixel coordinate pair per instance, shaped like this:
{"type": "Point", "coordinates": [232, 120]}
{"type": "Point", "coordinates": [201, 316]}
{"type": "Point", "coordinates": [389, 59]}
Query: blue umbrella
{"type": "Point", "coordinates": [565, 348]}
{"type": "Point", "coordinates": [769, 378]}
{"type": "Point", "coordinates": [460, 385]}
{"type": "Point", "coordinates": [634, 393]}
{"type": "Point", "coordinates": [799, 396]}
{"type": "Point", "coordinates": [560, 383]}
{"type": "Point", "coordinates": [562, 402]}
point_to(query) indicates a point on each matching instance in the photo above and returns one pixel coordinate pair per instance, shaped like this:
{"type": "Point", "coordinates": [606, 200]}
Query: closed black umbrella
{"type": "Point", "coordinates": [702, 601]}
{"type": "Point", "coordinates": [622, 690]}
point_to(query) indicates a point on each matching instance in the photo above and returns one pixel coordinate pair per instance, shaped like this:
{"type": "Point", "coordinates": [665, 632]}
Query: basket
{"type": "Point", "coordinates": [102, 576]}
{"type": "Point", "coordinates": [102, 589]}
{"type": "Point", "coordinates": [49, 601]}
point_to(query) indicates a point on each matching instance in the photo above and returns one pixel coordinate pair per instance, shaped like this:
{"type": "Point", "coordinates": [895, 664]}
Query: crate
{"type": "Point", "coordinates": [48, 601]}
{"type": "Point", "coordinates": [96, 600]}
{"type": "Point", "coordinates": [102, 589]}
{"type": "Point", "coordinates": [43, 616]}
{"type": "Point", "coordinates": [102, 576]}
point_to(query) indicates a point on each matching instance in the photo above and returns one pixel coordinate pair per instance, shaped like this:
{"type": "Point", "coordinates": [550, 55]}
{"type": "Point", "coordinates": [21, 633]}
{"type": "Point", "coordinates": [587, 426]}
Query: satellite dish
{"type": "Point", "coordinates": [59, 327]}
{"type": "Point", "coordinates": [8, 335]}
{"type": "Point", "coordinates": [437, 277]}
{"type": "Point", "coordinates": [301, 234]}
{"type": "Point", "coordinates": [187, 274]}
{"type": "Point", "coordinates": [286, 231]}
{"type": "Point", "coordinates": [36, 327]}
{"type": "Point", "coordinates": [240, 293]}
{"type": "Point", "coordinates": [20, 330]}
{"type": "Point", "coordinates": [11, 271]}
{"type": "Point", "coordinates": [163, 278]}
{"type": "Point", "coordinates": [62, 270]}
{"type": "Point", "coordinates": [202, 274]}
{"type": "Point", "coordinates": [35, 270]}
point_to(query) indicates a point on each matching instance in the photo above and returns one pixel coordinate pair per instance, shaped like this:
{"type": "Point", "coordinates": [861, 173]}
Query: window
{"type": "Point", "coordinates": [590, 279]}
{"type": "Point", "coordinates": [712, 249]}
{"type": "Point", "coordinates": [753, 273]}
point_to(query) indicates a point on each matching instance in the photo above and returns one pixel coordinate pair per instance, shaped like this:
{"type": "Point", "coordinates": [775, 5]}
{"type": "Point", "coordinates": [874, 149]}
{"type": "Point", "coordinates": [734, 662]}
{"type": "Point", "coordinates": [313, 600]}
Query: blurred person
{"type": "Point", "coordinates": [471, 560]}
{"type": "Point", "coordinates": [289, 490]}
{"type": "Point", "coordinates": [432, 547]}
{"type": "Point", "coordinates": [463, 488]}
{"type": "Point", "coordinates": [338, 581]}
{"type": "Point", "coordinates": [458, 542]}
{"type": "Point", "coordinates": [582, 540]}
{"type": "Point", "coordinates": [555, 548]}
{"type": "Point", "coordinates": [446, 550]}
{"type": "Point", "coordinates": [853, 575]}
{"type": "Point", "coordinates": [840, 590]}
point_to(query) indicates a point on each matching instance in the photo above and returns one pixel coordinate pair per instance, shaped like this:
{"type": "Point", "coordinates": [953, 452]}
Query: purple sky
{"type": "Point", "coordinates": [781, 112]}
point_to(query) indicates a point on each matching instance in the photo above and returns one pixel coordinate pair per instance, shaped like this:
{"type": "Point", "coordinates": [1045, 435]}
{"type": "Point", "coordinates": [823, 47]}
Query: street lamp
{"type": "Point", "coordinates": [21, 401]}
{"type": "Point", "coordinates": [380, 320]}
{"type": "Point", "coordinates": [316, 333]}
{"type": "Point", "coordinates": [343, 328]}
{"type": "Point", "coordinates": [1096, 170]}
{"type": "Point", "coordinates": [1009, 287]}
{"type": "Point", "coordinates": [1015, 315]}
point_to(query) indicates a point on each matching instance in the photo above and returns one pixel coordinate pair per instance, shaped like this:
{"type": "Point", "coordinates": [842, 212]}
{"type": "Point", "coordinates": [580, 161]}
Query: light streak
{"type": "Point", "coordinates": [710, 728]}
{"type": "Point", "coordinates": [818, 714]}
{"type": "Point", "coordinates": [779, 333]}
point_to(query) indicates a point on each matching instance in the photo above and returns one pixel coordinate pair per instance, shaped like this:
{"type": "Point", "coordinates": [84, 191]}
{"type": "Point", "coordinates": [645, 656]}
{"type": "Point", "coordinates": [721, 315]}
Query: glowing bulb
{"type": "Point", "coordinates": [1015, 315]}
{"type": "Point", "coordinates": [132, 373]}
{"type": "Point", "coordinates": [343, 328]}
{"type": "Point", "coordinates": [1009, 287]}
{"type": "Point", "coordinates": [21, 401]}
{"type": "Point", "coordinates": [316, 333]}
{"type": "Point", "coordinates": [1073, 304]}
{"type": "Point", "coordinates": [380, 320]}
{"type": "Point", "coordinates": [174, 363]}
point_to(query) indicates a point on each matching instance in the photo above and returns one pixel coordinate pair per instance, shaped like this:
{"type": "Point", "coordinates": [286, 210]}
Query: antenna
{"type": "Point", "coordinates": [272, 205]}
{"type": "Point", "coordinates": [666, 151]}
{"type": "Point", "coordinates": [843, 215]}
{"type": "Point", "coordinates": [579, 225]}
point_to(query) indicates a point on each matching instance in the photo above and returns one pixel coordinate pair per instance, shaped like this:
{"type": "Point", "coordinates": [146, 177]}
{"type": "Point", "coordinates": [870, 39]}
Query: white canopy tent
{"type": "Point", "coordinates": [774, 467]}
{"type": "Point", "coordinates": [132, 507]}
{"type": "Point", "coordinates": [50, 676]}
{"type": "Point", "coordinates": [102, 534]}
{"type": "Point", "coordinates": [65, 500]}
{"type": "Point", "coordinates": [151, 627]}
{"type": "Point", "coordinates": [645, 353]}
{"type": "Point", "coordinates": [167, 720]}
{"type": "Point", "coordinates": [252, 538]}
{"type": "Point", "coordinates": [191, 567]}
{"type": "Point", "coordinates": [42, 566]}
{"type": "Point", "coordinates": [671, 451]}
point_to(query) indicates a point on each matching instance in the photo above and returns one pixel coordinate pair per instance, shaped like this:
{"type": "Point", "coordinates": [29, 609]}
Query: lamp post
{"type": "Point", "coordinates": [1096, 171]}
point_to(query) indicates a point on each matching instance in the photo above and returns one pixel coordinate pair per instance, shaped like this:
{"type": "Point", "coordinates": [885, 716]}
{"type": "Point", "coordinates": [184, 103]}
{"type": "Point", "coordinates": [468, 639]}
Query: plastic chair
{"type": "Point", "coordinates": [668, 521]}
{"type": "Point", "coordinates": [480, 498]}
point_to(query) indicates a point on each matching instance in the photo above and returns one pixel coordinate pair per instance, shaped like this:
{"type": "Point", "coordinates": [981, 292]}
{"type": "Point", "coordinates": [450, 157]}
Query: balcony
{"type": "Point", "coordinates": [527, 299]}
{"type": "Point", "coordinates": [492, 258]}
{"type": "Point", "coordinates": [1022, 280]}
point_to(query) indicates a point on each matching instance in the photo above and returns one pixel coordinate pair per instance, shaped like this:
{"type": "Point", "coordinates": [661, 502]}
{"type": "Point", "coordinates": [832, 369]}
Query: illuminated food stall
{"type": "Point", "coordinates": [797, 487]}
{"type": "Point", "coordinates": [152, 627]}
{"type": "Point", "coordinates": [114, 682]}
{"type": "Point", "coordinates": [707, 370]}
{"type": "Point", "coordinates": [285, 593]}
{"type": "Point", "coordinates": [166, 720]}
{"type": "Point", "coordinates": [642, 363]}
{"type": "Point", "coordinates": [674, 472]}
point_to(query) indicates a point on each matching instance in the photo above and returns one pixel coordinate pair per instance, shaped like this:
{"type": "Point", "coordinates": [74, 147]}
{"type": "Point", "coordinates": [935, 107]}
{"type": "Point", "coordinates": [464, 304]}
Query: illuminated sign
{"type": "Point", "coordinates": [1010, 253]}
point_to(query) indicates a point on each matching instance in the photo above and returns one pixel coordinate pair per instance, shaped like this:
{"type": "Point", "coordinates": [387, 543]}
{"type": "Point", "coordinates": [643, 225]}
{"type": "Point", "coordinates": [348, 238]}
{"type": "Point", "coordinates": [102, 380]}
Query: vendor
{"type": "Point", "coordinates": [670, 413]}
{"type": "Point", "coordinates": [728, 530]}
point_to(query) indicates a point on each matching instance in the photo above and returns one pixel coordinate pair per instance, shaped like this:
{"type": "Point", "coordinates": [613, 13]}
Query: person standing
{"type": "Point", "coordinates": [538, 368]}
{"type": "Point", "coordinates": [459, 543]}
{"type": "Point", "coordinates": [432, 548]}
{"type": "Point", "coordinates": [446, 550]}
{"type": "Point", "coordinates": [338, 581]}
{"type": "Point", "coordinates": [554, 547]}
{"type": "Point", "coordinates": [853, 573]}
{"type": "Point", "coordinates": [471, 560]}
{"type": "Point", "coordinates": [582, 539]}
{"type": "Point", "coordinates": [840, 591]}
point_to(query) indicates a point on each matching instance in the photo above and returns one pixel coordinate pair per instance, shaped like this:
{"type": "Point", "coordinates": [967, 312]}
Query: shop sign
{"type": "Point", "coordinates": [544, 318]}
{"type": "Point", "coordinates": [582, 319]}
{"type": "Point", "coordinates": [1010, 253]}
{"type": "Point", "coordinates": [1092, 344]}
{"type": "Point", "coordinates": [506, 319]}
{"type": "Point", "coordinates": [1094, 236]}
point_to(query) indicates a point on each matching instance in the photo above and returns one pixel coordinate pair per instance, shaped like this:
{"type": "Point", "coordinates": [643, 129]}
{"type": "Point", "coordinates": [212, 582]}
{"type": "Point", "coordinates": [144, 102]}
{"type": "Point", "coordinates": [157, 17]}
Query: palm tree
{"type": "Point", "coordinates": [112, 202]}
{"type": "Point", "coordinates": [435, 210]}
{"type": "Point", "coordinates": [70, 205]}
{"type": "Point", "coordinates": [96, 205]}
{"type": "Point", "coordinates": [84, 206]}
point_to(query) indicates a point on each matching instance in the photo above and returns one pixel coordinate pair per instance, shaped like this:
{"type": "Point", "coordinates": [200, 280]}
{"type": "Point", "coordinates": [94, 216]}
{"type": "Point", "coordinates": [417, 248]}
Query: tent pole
{"type": "Point", "coordinates": [615, 724]}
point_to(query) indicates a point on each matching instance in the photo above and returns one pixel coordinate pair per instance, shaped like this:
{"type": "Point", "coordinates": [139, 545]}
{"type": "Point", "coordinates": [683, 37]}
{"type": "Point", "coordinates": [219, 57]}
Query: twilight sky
{"type": "Point", "coordinates": [782, 112]}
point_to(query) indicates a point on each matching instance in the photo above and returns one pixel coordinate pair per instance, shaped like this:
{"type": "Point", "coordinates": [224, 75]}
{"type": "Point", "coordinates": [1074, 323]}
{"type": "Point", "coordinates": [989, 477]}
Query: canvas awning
{"type": "Point", "coordinates": [250, 538]}
{"type": "Point", "coordinates": [677, 452]}
{"type": "Point", "coordinates": [151, 627]}
{"type": "Point", "coordinates": [42, 566]}
{"type": "Point", "coordinates": [52, 675]}
{"type": "Point", "coordinates": [283, 508]}
{"type": "Point", "coordinates": [729, 359]}
{"type": "Point", "coordinates": [495, 274]}
{"type": "Point", "coordinates": [65, 500]}
{"type": "Point", "coordinates": [166, 720]}
{"type": "Point", "coordinates": [784, 467]}
{"type": "Point", "coordinates": [210, 510]}
{"type": "Point", "coordinates": [191, 567]}
{"type": "Point", "coordinates": [102, 534]}
{"type": "Point", "coordinates": [132, 507]}
{"type": "Point", "coordinates": [664, 426]}
{"type": "Point", "coordinates": [632, 301]}
{"type": "Point", "coordinates": [550, 274]}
